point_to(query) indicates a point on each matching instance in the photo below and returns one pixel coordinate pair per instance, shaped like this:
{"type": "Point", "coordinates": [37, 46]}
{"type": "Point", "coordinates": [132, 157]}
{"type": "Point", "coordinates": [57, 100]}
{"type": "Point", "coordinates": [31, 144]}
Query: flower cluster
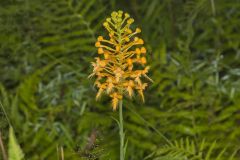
{"type": "Point", "coordinates": [118, 70]}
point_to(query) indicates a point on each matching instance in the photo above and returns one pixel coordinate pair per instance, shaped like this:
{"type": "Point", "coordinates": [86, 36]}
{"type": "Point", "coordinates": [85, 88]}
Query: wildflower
{"type": "Point", "coordinates": [121, 53]}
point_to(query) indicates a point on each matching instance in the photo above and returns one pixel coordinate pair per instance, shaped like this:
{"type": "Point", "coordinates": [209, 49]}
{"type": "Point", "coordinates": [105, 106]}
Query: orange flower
{"type": "Point", "coordinates": [121, 52]}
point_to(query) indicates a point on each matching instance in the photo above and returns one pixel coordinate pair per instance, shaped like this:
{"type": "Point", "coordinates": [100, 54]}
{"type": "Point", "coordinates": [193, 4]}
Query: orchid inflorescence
{"type": "Point", "coordinates": [121, 54]}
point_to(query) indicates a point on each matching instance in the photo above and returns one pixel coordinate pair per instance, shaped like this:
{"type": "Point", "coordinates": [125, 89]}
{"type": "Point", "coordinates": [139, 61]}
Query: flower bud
{"type": "Point", "coordinates": [143, 60]}
{"type": "Point", "coordinates": [97, 44]}
{"type": "Point", "coordinates": [130, 21]}
{"type": "Point", "coordinates": [100, 51]}
{"type": "Point", "coordinates": [127, 15]}
{"type": "Point", "coordinates": [102, 63]}
{"type": "Point", "coordinates": [140, 41]}
{"type": "Point", "coordinates": [106, 55]}
{"type": "Point", "coordinates": [105, 24]}
{"type": "Point", "coordinates": [129, 61]}
{"type": "Point", "coordinates": [127, 39]}
{"type": "Point", "coordinates": [120, 13]}
{"type": "Point", "coordinates": [117, 48]}
{"type": "Point", "coordinates": [136, 39]}
{"type": "Point", "coordinates": [138, 51]}
{"type": "Point", "coordinates": [111, 34]}
{"type": "Point", "coordinates": [114, 14]}
{"type": "Point", "coordinates": [138, 30]}
{"type": "Point", "coordinates": [100, 38]}
{"type": "Point", "coordinates": [143, 50]}
{"type": "Point", "coordinates": [129, 31]}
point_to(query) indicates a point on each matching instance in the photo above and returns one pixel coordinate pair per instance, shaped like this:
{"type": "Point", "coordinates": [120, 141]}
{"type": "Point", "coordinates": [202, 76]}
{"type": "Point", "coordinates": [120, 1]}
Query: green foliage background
{"type": "Point", "coordinates": [192, 109]}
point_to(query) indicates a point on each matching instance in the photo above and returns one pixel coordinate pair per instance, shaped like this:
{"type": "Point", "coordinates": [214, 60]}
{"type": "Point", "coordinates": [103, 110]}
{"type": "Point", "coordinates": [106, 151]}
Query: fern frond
{"type": "Point", "coordinates": [186, 149]}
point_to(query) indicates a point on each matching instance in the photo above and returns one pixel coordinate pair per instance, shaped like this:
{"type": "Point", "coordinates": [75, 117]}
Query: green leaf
{"type": "Point", "coordinates": [14, 150]}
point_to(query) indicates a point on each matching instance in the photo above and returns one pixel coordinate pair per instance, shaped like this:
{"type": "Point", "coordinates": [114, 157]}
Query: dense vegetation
{"type": "Point", "coordinates": [192, 110]}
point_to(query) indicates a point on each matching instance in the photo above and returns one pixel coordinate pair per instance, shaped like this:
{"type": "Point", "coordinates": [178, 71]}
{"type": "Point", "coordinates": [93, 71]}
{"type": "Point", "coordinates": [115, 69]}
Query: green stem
{"type": "Point", "coordinates": [121, 134]}
{"type": "Point", "coordinates": [4, 154]}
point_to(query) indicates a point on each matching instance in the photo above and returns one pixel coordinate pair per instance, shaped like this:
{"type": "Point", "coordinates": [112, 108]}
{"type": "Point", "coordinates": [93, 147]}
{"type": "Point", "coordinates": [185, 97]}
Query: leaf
{"type": "Point", "coordinates": [188, 149]}
{"type": "Point", "coordinates": [14, 150]}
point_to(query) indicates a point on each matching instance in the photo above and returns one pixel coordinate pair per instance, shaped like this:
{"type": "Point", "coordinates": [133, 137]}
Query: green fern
{"type": "Point", "coordinates": [186, 149]}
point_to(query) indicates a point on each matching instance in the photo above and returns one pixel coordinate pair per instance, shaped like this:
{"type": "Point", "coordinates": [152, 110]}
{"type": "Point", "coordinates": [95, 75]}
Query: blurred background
{"type": "Point", "coordinates": [46, 47]}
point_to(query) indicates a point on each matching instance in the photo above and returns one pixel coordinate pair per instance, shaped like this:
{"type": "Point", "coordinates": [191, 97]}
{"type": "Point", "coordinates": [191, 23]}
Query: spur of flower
{"type": "Point", "coordinates": [120, 66]}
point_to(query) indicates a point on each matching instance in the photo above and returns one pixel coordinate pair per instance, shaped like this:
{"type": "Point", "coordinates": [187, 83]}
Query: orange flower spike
{"type": "Point", "coordinates": [118, 56]}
